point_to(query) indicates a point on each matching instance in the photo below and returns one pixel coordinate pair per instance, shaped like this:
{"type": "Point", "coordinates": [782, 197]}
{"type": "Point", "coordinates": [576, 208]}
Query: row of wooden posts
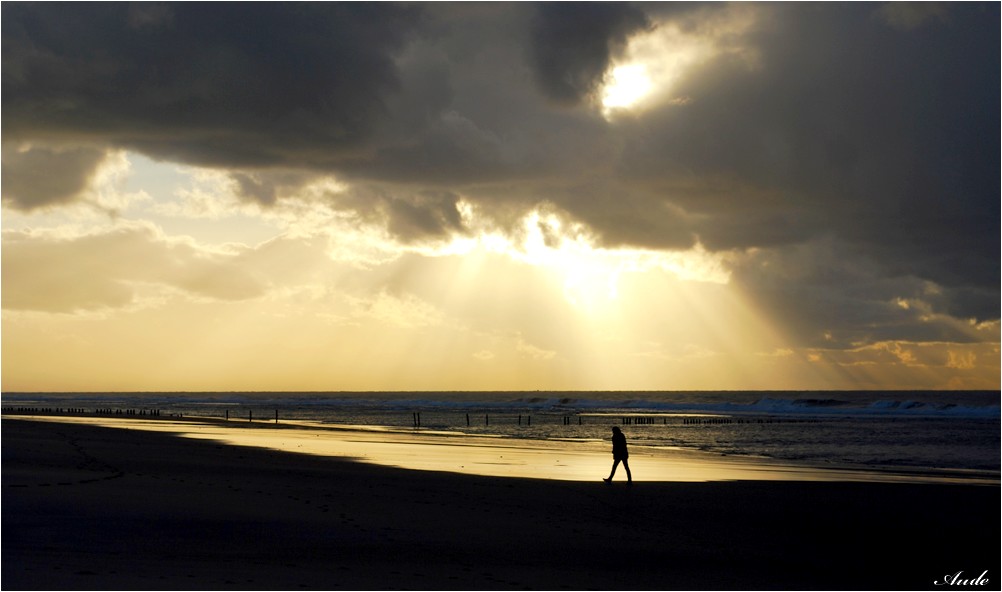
{"type": "Point", "coordinates": [642, 420]}
{"type": "Point", "coordinates": [250, 415]}
{"type": "Point", "coordinates": [80, 411]}
{"type": "Point", "coordinates": [416, 416]}
{"type": "Point", "coordinates": [728, 420]}
{"type": "Point", "coordinates": [487, 419]}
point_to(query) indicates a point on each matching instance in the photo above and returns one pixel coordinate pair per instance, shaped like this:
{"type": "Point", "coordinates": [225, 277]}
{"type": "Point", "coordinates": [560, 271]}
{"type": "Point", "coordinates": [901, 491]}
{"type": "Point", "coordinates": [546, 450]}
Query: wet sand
{"type": "Point", "coordinates": [88, 507]}
{"type": "Point", "coordinates": [493, 456]}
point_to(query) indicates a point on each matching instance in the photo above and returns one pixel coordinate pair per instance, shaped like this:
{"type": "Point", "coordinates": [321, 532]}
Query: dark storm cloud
{"type": "Point", "coordinates": [410, 216]}
{"type": "Point", "coordinates": [910, 15]}
{"type": "Point", "coordinates": [431, 215]}
{"type": "Point", "coordinates": [266, 187]}
{"type": "Point", "coordinates": [872, 126]}
{"type": "Point", "coordinates": [573, 43]}
{"type": "Point", "coordinates": [40, 177]}
{"type": "Point", "coordinates": [254, 189]}
{"type": "Point", "coordinates": [882, 136]}
{"type": "Point", "coordinates": [210, 84]}
{"type": "Point", "coordinates": [434, 93]}
{"type": "Point", "coordinates": [829, 295]}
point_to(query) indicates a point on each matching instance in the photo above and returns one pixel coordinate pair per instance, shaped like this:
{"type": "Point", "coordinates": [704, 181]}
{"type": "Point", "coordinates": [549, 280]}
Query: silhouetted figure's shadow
{"type": "Point", "coordinates": [619, 455]}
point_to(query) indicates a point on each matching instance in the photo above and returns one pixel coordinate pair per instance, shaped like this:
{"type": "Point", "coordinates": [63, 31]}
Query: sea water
{"type": "Point", "coordinates": [942, 430]}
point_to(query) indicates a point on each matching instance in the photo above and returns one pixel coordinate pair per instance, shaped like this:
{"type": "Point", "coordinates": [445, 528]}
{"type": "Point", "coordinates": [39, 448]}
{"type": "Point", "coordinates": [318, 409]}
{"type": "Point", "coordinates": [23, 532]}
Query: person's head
{"type": "Point", "coordinates": [615, 430]}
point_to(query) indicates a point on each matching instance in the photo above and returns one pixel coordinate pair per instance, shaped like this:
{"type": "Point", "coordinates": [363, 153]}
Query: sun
{"type": "Point", "coordinates": [651, 69]}
{"type": "Point", "coordinates": [627, 85]}
{"type": "Point", "coordinates": [587, 273]}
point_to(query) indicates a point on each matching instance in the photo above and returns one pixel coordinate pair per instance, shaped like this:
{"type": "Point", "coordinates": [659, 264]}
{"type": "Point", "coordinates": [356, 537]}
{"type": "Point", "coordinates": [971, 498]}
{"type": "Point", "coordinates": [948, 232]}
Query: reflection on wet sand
{"type": "Point", "coordinates": [494, 456]}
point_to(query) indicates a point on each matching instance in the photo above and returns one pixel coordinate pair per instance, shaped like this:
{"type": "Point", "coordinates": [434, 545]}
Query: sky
{"type": "Point", "coordinates": [500, 196]}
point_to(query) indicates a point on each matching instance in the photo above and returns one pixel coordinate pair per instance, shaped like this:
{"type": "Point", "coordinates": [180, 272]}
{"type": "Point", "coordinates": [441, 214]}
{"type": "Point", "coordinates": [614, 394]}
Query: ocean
{"type": "Point", "coordinates": [957, 431]}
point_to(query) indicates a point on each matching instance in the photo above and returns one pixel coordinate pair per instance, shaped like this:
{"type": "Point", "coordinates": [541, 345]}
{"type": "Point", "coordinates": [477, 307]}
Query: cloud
{"type": "Point", "coordinates": [150, 14]}
{"type": "Point", "coordinates": [432, 214]}
{"type": "Point", "coordinates": [572, 45]}
{"type": "Point", "coordinates": [52, 272]}
{"type": "Point", "coordinates": [39, 177]}
{"type": "Point", "coordinates": [911, 15]}
{"type": "Point", "coordinates": [531, 351]}
{"type": "Point", "coordinates": [484, 355]}
{"type": "Point", "coordinates": [911, 354]}
{"type": "Point", "coordinates": [853, 146]}
{"type": "Point", "coordinates": [261, 84]}
{"type": "Point", "coordinates": [407, 312]}
{"type": "Point", "coordinates": [822, 294]}
{"type": "Point", "coordinates": [839, 127]}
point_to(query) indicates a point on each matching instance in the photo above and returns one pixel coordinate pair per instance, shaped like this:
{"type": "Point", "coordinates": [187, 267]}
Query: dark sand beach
{"type": "Point", "coordinates": [96, 508]}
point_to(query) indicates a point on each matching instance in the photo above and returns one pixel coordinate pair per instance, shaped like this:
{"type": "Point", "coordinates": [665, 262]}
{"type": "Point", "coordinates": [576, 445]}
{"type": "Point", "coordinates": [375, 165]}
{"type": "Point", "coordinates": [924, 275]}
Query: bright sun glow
{"type": "Point", "coordinates": [649, 70]}
{"type": "Point", "coordinates": [627, 85]}
{"type": "Point", "coordinates": [589, 274]}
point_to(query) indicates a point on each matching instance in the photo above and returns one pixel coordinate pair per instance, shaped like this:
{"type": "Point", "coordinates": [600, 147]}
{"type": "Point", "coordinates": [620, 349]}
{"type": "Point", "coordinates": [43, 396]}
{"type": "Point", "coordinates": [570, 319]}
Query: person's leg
{"type": "Point", "coordinates": [629, 475]}
{"type": "Point", "coordinates": [615, 464]}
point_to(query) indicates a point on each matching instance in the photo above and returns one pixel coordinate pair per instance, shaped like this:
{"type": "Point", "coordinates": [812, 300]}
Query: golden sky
{"type": "Point", "coordinates": [498, 197]}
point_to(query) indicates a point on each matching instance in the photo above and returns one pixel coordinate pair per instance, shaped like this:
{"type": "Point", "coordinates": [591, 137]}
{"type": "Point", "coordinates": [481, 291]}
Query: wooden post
{"type": "Point", "coordinates": [467, 420]}
{"type": "Point", "coordinates": [251, 412]}
{"type": "Point", "coordinates": [227, 415]}
{"type": "Point", "coordinates": [276, 416]}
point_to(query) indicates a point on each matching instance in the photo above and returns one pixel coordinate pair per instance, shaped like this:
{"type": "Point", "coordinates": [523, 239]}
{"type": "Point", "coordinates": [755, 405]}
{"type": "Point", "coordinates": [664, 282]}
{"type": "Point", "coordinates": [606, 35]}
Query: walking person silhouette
{"type": "Point", "coordinates": [619, 455]}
